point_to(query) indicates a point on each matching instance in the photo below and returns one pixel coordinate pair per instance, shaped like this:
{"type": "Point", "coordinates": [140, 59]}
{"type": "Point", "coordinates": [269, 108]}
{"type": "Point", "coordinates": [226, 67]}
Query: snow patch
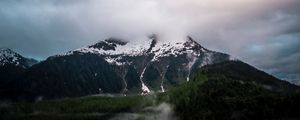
{"type": "Point", "coordinates": [145, 89]}
{"type": "Point", "coordinates": [115, 60]}
{"type": "Point", "coordinates": [162, 88]}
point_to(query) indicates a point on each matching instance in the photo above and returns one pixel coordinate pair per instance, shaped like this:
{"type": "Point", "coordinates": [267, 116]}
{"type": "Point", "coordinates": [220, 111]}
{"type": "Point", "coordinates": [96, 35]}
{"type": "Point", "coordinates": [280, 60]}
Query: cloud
{"type": "Point", "coordinates": [262, 33]}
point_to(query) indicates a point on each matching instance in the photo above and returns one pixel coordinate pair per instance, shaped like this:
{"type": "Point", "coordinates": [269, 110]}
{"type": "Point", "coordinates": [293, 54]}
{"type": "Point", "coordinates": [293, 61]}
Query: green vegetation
{"type": "Point", "coordinates": [86, 107]}
{"type": "Point", "coordinates": [223, 98]}
{"type": "Point", "coordinates": [224, 95]}
{"type": "Point", "coordinates": [209, 95]}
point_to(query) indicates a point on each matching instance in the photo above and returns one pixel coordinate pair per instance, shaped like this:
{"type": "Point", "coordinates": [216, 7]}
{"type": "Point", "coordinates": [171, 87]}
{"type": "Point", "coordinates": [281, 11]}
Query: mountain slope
{"type": "Point", "coordinates": [75, 75]}
{"type": "Point", "coordinates": [215, 93]}
{"type": "Point", "coordinates": [209, 95]}
{"type": "Point", "coordinates": [241, 71]}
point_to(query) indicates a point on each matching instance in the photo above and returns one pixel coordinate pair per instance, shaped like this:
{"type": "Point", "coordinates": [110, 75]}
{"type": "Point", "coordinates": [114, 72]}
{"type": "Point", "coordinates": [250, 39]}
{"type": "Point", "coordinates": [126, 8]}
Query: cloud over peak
{"type": "Point", "coordinates": [263, 33]}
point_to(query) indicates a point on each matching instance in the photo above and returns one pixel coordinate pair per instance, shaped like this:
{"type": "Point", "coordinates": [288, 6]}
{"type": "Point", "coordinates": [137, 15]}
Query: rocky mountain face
{"type": "Point", "coordinates": [119, 67]}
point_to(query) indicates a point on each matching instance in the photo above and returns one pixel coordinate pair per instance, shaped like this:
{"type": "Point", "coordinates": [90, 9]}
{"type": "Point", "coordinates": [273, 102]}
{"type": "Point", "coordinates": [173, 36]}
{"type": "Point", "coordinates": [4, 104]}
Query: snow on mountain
{"type": "Point", "coordinates": [151, 63]}
{"type": "Point", "coordinates": [113, 50]}
{"type": "Point", "coordinates": [7, 56]}
{"type": "Point", "coordinates": [178, 48]}
{"type": "Point", "coordinates": [115, 47]}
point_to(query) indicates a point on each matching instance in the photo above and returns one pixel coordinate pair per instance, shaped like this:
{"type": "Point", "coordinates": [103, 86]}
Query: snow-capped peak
{"type": "Point", "coordinates": [7, 56]}
{"type": "Point", "coordinates": [113, 49]}
{"type": "Point", "coordinates": [116, 47]}
{"type": "Point", "coordinates": [113, 46]}
{"type": "Point", "coordinates": [189, 46]}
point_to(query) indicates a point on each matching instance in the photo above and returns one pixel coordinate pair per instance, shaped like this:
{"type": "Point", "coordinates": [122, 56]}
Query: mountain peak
{"type": "Point", "coordinates": [8, 56]}
{"type": "Point", "coordinates": [152, 45]}
{"type": "Point", "coordinates": [6, 52]}
{"type": "Point", "coordinates": [190, 41]}
{"type": "Point", "coordinates": [190, 46]}
{"type": "Point", "coordinates": [113, 46]}
{"type": "Point", "coordinates": [108, 44]}
{"type": "Point", "coordinates": [153, 42]}
{"type": "Point", "coordinates": [193, 44]}
{"type": "Point", "coordinates": [2, 50]}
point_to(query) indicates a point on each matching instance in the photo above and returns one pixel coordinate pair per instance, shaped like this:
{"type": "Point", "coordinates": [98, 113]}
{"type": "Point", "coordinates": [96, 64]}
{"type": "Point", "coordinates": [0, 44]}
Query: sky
{"type": "Point", "coordinates": [265, 34]}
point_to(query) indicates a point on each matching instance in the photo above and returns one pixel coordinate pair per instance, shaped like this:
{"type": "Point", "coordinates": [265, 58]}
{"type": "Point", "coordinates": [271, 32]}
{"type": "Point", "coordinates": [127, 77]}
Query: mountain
{"type": "Point", "coordinates": [9, 57]}
{"type": "Point", "coordinates": [116, 66]}
{"type": "Point", "coordinates": [12, 66]}
{"type": "Point", "coordinates": [119, 67]}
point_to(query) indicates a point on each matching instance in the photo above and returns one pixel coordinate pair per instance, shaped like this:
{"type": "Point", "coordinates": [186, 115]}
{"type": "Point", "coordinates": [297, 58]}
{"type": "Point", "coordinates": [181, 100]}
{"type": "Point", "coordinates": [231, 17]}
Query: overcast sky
{"type": "Point", "coordinates": [264, 33]}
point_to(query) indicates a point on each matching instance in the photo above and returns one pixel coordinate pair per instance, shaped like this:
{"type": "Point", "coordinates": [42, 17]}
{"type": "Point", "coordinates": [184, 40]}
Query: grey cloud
{"type": "Point", "coordinates": [262, 33]}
